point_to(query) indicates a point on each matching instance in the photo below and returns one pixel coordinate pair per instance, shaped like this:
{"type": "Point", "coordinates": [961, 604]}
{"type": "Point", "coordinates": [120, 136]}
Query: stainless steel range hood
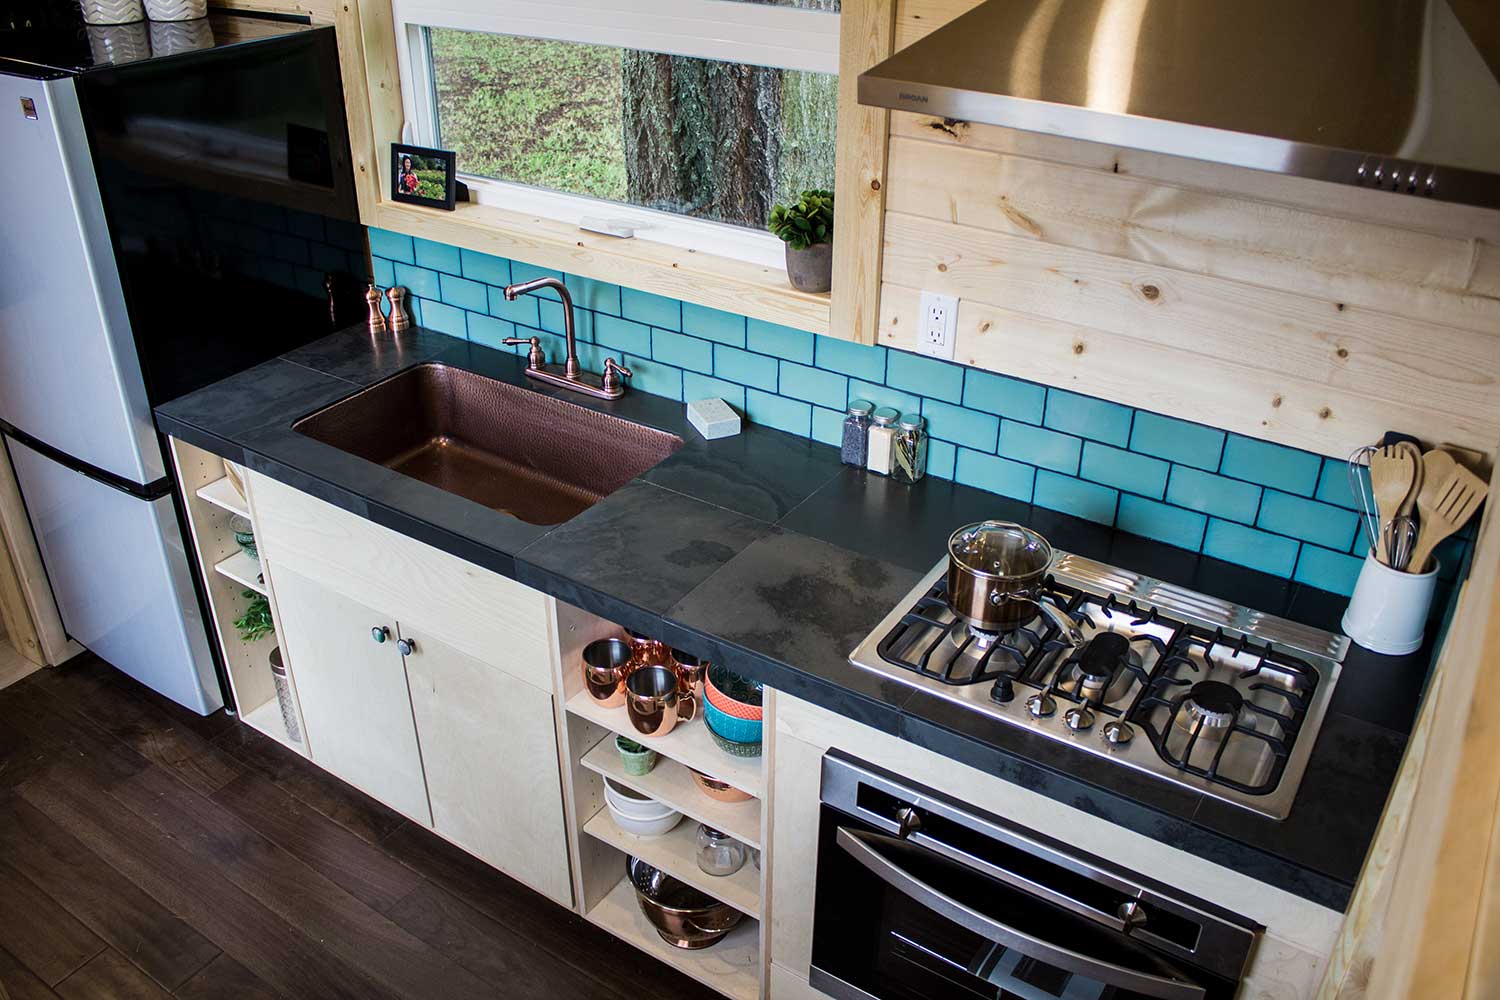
{"type": "Point", "coordinates": [1391, 94]}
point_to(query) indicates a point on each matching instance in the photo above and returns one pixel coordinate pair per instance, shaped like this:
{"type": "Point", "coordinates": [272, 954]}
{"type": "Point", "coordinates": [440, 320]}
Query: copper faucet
{"type": "Point", "coordinates": [570, 375]}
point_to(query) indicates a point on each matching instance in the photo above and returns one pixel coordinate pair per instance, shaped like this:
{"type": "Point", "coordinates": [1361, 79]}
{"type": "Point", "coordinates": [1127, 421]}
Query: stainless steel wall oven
{"type": "Point", "coordinates": [919, 896]}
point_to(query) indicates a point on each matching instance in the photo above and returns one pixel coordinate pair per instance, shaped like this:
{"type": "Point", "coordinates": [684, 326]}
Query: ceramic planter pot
{"type": "Point", "coordinates": [810, 270]}
{"type": "Point", "coordinates": [637, 760]}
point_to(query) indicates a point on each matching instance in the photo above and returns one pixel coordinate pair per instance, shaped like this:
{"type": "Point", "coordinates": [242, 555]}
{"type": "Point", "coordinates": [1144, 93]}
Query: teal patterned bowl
{"type": "Point", "coordinates": [731, 747]}
{"type": "Point", "coordinates": [728, 726]}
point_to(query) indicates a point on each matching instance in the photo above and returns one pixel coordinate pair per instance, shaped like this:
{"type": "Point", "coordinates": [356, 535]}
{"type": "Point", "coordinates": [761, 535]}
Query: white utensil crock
{"type": "Point", "coordinates": [111, 11]}
{"type": "Point", "coordinates": [1388, 612]}
{"type": "Point", "coordinates": [176, 10]}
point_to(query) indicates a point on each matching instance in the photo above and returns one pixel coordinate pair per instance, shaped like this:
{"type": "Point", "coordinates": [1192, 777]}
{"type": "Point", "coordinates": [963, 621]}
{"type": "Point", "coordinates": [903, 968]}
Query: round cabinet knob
{"type": "Point", "coordinates": [380, 633]}
{"type": "Point", "coordinates": [1041, 706]}
{"type": "Point", "coordinates": [1118, 732]}
{"type": "Point", "coordinates": [1078, 719]}
{"type": "Point", "coordinates": [407, 646]}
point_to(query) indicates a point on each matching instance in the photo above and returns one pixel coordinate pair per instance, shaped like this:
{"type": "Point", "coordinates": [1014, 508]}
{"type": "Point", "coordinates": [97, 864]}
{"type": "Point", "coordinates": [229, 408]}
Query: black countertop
{"type": "Point", "coordinates": [764, 553]}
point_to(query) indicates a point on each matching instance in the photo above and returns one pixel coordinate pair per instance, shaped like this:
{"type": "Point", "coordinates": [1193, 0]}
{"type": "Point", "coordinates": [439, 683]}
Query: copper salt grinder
{"type": "Point", "coordinates": [398, 320]}
{"type": "Point", "coordinates": [377, 318]}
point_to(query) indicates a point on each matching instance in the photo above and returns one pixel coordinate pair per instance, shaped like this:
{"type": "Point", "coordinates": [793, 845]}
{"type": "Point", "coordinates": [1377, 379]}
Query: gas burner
{"type": "Point", "coordinates": [1225, 700]}
{"type": "Point", "coordinates": [1211, 704]}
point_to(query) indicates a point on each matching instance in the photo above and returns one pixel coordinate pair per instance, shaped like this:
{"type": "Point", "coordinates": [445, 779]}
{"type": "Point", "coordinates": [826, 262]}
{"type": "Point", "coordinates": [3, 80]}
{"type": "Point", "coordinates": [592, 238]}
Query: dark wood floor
{"type": "Point", "coordinates": [147, 852]}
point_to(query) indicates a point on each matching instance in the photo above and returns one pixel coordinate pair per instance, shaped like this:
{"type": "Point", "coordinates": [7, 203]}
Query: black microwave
{"type": "Point", "coordinates": [918, 896]}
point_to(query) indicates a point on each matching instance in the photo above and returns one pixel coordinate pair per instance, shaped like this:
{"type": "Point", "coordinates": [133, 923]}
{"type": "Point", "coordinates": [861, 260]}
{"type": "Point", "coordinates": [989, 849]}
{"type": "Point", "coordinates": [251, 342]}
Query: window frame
{"type": "Point", "coordinates": [756, 34]}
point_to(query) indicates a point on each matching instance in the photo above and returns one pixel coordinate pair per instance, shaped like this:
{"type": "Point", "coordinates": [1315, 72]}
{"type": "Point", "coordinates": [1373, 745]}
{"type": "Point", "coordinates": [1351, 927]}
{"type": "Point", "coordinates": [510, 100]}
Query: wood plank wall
{"type": "Point", "coordinates": [1305, 313]}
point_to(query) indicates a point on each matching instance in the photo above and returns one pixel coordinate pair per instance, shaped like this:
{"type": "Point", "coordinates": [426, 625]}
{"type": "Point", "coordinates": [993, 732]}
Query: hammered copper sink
{"type": "Point", "coordinates": [537, 458]}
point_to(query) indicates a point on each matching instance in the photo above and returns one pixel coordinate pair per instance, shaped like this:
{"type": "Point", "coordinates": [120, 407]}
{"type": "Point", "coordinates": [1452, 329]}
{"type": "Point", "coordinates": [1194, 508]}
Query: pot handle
{"type": "Point", "coordinates": [1066, 625]}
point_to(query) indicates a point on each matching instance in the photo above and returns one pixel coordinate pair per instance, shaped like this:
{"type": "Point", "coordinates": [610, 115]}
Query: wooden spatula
{"type": "Point", "coordinates": [1446, 505]}
{"type": "Point", "coordinates": [1392, 472]}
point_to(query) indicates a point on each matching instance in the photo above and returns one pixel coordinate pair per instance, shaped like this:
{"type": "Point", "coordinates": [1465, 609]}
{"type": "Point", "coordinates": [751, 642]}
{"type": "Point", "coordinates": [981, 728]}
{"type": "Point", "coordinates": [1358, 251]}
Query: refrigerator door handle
{"type": "Point", "coordinates": [153, 490]}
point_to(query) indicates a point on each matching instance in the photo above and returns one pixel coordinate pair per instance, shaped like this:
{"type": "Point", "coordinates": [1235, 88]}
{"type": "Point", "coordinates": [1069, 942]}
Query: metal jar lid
{"type": "Point", "coordinates": [860, 407]}
{"type": "Point", "coordinates": [886, 415]}
{"type": "Point", "coordinates": [911, 422]}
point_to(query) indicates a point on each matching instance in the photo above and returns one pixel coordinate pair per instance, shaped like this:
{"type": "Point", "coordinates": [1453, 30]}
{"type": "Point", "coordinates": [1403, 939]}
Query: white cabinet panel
{"type": "Point", "coordinates": [489, 747]}
{"type": "Point", "coordinates": [353, 692]}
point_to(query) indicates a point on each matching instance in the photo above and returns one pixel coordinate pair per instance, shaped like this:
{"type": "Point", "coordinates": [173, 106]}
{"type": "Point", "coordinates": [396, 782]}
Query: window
{"type": "Point", "coordinates": [685, 119]}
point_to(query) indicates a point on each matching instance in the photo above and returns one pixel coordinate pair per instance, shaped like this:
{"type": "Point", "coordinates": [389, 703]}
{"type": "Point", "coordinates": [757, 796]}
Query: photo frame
{"type": "Point", "coordinates": [423, 176]}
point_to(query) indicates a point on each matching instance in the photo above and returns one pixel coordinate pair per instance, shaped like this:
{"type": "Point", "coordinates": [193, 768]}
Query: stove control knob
{"type": "Point", "coordinates": [1041, 706]}
{"type": "Point", "coordinates": [1078, 719]}
{"type": "Point", "coordinates": [1003, 691]}
{"type": "Point", "coordinates": [1118, 732]}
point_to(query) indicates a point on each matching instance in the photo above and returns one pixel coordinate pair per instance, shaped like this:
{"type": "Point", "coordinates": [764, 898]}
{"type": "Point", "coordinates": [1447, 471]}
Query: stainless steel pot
{"type": "Point", "coordinates": [995, 574]}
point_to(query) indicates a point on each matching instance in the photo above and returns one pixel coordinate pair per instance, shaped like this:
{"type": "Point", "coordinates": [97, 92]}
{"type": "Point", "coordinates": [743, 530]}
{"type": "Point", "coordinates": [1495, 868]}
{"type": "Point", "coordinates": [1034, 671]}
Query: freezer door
{"type": "Point", "coordinates": [120, 574]}
{"type": "Point", "coordinates": [69, 375]}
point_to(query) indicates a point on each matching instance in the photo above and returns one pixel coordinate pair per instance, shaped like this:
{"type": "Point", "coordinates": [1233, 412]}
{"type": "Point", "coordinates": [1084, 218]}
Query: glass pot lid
{"type": "Point", "coordinates": [999, 549]}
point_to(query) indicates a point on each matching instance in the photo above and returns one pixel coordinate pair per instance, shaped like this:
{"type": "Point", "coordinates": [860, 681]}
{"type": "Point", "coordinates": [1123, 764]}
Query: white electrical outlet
{"type": "Point", "coordinates": [937, 325]}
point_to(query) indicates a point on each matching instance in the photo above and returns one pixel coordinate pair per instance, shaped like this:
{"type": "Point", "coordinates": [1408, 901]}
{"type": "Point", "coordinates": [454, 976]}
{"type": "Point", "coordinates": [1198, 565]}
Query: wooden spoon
{"type": "Point", "coordinates": [1446, 505]}
{"type": "Point", "coordinates": [1392, 472]}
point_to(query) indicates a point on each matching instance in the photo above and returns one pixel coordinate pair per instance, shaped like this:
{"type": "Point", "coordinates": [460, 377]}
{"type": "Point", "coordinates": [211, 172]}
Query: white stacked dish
{"type": "Point", "coordinates": [639, 814]}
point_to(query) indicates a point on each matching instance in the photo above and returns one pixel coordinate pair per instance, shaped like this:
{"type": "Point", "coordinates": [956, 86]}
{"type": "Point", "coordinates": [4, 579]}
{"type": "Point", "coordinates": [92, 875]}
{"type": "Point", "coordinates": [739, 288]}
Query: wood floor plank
{"type": "Point", "coordinates": [537, 920]}
{"type": "Point", "coordinates": [224, 977]}
{"type": "Point", "coordinates": [359, 868]}
{"type": "Point", "coordinates": [347, 927]}
{"type": "Point", "coordinates": [490, 951]}
{"type": "Point", "coordinates": [39, 932]}
{"type": "Point", "coordinates": [110, 976]}
{"type": "Point", "coordinates": [293, 773]}
{"type": "Point", "coordinates": [93, 690]}
{"type": "Point", "coordinates": [54, 735]}
{"type": "Point", "coordinates": [189, 883]}
{"type": "Point", "coordinates": [19, 983]}
{"type": "Point", "coordinates": [109, 904]}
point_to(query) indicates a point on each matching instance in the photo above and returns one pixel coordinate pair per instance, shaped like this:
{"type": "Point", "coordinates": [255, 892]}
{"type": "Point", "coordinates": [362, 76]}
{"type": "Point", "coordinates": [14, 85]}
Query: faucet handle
{"type": "Point", "coordinates": [535, 358]}
{"type": "Point", "coordinates": [613, 371]}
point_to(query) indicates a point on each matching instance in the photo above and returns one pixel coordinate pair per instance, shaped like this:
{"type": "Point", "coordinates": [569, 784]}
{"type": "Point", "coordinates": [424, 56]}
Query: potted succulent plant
{"type": "Point", "coordinates": [806, 226]}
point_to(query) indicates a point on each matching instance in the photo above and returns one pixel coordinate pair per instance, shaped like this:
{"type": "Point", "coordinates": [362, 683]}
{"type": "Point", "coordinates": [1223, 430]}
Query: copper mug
{"type": "Point", "coordinates": [656, 702]}
{"type": "Point", "coordinates": [690, 671]}
{"type": "Point", "coordinates": [606, 665]}
{"type": "Point", "coordinates": [648, 652]}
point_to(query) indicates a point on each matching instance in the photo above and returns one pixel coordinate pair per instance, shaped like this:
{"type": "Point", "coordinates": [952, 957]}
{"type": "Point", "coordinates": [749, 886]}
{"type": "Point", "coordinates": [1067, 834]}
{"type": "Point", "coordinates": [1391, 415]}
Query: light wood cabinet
{"type": "Point", "coordinates": [489, 746]}
{"type": "Point", "coordinates": [353, 691]}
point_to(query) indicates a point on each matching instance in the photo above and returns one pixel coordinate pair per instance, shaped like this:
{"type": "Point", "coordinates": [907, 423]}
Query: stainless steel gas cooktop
{"type": "Point", "coordinates": [1185, 687]}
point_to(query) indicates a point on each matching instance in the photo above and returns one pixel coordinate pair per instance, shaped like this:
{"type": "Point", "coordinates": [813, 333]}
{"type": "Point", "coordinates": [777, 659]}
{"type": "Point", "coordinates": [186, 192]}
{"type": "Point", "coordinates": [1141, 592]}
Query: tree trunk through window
{"type": "Point", "coordinates": [697, 136]}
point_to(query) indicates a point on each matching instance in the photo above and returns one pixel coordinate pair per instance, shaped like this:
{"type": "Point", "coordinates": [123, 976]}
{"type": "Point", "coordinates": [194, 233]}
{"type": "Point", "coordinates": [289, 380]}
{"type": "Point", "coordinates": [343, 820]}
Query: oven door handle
{"type": "Point", "coordinates": [857, 846]}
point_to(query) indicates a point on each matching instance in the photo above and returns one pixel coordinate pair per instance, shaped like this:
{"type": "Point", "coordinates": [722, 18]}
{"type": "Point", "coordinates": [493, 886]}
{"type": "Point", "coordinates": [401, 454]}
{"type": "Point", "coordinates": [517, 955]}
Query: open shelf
{"type": "Point", "coordinates": [676, 853]}
{"type": "Point", "coordinates": [266, 718]}
{"type": "Point", "coordinates": [221, 494]}
{"type": "Point", "coordinates": [689, 743]}
{"type": "Point", "coordinates": [242, 568]}
{"type": "Point", "coordinates": [732, 966]}
{"type": "Point", "coordinates": [672, 783]}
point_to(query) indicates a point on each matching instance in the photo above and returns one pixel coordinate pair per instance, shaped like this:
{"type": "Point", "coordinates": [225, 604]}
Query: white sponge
{"type": "Point", "coordinates": [714, 418]}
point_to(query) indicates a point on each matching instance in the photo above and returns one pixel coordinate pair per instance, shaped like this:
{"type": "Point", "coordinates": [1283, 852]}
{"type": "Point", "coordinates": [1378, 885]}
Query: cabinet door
{"type": "Point", "coordinates": [489, 745]}
{"type": "Point", "coordinates": [353, 692]}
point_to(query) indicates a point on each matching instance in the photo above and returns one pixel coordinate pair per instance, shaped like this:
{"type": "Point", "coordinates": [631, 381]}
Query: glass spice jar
{"type": "Point", "coordinates": [882, 440]}
{"type": "Point", "coordinates": [718, 853]}
{"type": "Point", "coordinates": [909, 451]}
{"type": "Point", "coordinates": [856, 440]}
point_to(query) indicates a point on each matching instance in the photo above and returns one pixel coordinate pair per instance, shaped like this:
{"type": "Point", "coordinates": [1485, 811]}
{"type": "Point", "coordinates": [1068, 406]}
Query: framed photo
{"type": "Point", "coordinates": [422, 176]}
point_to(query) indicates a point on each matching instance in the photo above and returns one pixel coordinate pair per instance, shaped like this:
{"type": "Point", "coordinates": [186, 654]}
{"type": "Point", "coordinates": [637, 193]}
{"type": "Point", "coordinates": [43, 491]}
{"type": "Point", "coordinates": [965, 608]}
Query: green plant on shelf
{"type": "Point", "coordinates": [255, 624]}
{"type": "Point", "coordinates": [805, 222]}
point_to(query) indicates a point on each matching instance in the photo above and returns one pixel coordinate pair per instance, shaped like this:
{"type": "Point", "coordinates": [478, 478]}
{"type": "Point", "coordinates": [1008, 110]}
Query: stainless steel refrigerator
{"type": "Point", "coordinates": [121, 262]}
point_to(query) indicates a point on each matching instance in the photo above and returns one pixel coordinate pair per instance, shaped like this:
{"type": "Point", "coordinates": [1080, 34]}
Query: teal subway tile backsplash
{"type": "Point", "coordinates": [1286, 512]}
{"type": "Point", "coordinates": [1271, 464]}
{"type": "Point", "coordinates": [1088, 417]}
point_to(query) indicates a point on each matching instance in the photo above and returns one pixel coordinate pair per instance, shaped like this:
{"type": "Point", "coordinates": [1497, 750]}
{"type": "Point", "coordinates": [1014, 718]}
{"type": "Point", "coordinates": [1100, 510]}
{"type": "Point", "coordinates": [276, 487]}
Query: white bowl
{"type": "Point", "coordinates": [654, 827]}
{"type": "Point", "coordinates": [635, 808]}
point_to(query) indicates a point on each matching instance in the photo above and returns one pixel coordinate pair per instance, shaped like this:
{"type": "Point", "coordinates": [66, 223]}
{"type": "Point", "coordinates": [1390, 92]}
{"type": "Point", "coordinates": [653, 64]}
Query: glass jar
{"type": "Point", "coordinates": [882, 440]}
{"type": "Point", "coordinates": [909, 454]}
{"type": "Point", "coordinates": [719, 853]}
{"type": "Point", "coordinates": [856, 441]}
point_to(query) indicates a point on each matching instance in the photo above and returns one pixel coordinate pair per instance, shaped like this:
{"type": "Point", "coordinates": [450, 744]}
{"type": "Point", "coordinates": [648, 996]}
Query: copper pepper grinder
{"type": "Point", "coordinates": [398, 320]}
{"type": "Point", "coordinates": [377, 318]}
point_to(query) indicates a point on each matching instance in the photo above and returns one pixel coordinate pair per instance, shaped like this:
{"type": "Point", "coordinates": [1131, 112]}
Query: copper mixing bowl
{"type": "Point", "coordinates": [683, 917]}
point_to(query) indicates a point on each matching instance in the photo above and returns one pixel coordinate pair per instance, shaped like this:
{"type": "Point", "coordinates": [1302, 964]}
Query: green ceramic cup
{"type": "Point", "coordinates": [638, 760]}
